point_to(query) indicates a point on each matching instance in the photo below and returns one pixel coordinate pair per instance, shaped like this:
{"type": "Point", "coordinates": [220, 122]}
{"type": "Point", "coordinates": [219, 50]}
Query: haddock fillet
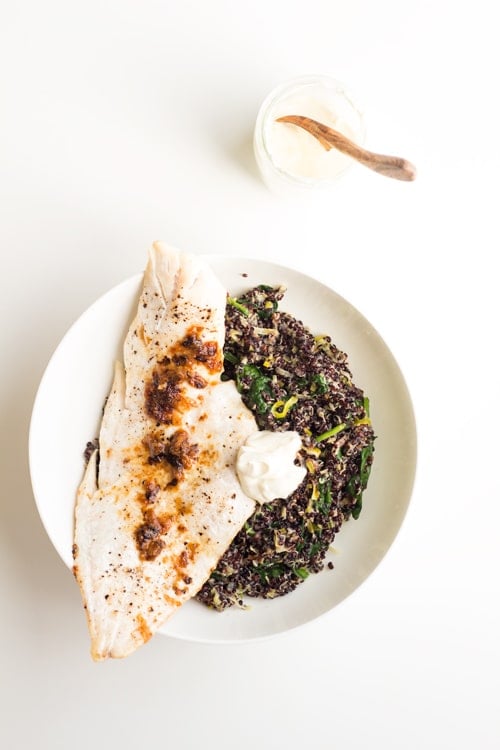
{"type": "Point", "coordinates": [160, 501]}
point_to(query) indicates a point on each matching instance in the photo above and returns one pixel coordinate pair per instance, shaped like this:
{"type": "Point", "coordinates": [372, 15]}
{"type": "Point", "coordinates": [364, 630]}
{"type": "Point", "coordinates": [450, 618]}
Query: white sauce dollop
{"type": "Point", "coordinates": [265, 465]}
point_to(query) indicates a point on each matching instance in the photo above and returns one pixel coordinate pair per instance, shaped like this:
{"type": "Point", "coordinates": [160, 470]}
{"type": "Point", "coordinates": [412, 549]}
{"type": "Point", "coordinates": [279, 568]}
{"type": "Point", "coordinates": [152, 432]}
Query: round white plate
{"type": "Point", "coordinates": [68, 409]}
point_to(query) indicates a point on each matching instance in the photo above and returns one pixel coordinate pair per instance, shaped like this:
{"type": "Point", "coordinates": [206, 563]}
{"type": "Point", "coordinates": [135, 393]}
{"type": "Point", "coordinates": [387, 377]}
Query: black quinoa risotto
{"type": "Point", "coordinates": [292, 380]}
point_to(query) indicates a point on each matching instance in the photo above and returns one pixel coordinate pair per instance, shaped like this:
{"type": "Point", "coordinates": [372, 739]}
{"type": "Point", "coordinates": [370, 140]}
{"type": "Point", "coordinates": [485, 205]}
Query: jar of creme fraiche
{"type": "Point", "coordinates": [289, 158]}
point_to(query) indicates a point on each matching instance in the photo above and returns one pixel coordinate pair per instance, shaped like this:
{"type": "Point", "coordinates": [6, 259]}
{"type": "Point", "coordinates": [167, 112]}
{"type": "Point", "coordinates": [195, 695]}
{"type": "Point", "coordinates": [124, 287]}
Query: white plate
{"type": "Point", "coordinates": [67, 413]}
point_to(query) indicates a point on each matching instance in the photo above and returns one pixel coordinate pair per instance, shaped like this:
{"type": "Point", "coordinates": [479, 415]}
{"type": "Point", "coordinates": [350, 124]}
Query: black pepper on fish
{"type": "Point", "coordinates": [292, 380]}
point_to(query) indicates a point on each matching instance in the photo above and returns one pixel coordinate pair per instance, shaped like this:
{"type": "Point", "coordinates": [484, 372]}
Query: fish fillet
{"type": "Point", "coordinates": [160, 501]}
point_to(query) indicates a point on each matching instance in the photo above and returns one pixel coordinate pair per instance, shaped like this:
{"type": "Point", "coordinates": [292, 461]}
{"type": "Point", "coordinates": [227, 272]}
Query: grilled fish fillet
{"type": "Point", "coordinates": [160, 501]}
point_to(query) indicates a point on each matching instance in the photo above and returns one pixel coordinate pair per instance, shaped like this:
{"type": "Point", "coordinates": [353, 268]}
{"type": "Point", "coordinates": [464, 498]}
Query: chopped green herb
{"type": "Point", "coordinates": [230, 357]}
{"type": "Point", "coordinates": [324, 502]}
{"type": "Point", "coordinates": [216, 576]}
{"type": "Point", "coordinates": [301, 573]}
{"type": "Point", "coordinates": [357, 508]}
{"type": "Point", "coordinates": [366, 405]}
{"type": "Point", "coordinates": [242, 308]}
{"type": "Point", "coordinates": [365, 467]}
{"type": "Point", "coordinates": [331, 433]}
{"type": "Point", "coordinates": [358, 483]}
{"type": "Point", "coordinates": [250, 380]}
{"type": "Point", "coordinates": [319, 384]}
{"type": "Point", "coordinates": [274, 570]}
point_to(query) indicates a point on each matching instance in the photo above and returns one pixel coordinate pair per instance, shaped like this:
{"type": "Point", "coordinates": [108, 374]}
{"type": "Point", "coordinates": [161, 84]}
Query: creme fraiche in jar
{"type": "Point", "coordinates": [291, 159]}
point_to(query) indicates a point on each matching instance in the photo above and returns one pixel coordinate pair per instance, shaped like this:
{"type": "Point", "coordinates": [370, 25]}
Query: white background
{"type": "Point", "coordinates": [124, 122]}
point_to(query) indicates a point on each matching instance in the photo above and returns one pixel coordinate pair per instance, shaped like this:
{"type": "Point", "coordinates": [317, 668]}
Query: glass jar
{"type": "Point", "coordinates": [291, 159]}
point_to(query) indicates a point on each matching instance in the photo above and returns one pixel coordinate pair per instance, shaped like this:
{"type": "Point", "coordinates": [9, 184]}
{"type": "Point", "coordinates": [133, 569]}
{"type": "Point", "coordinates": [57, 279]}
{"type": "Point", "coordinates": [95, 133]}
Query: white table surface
{"type": "Point", "coordinates": [125, 122]}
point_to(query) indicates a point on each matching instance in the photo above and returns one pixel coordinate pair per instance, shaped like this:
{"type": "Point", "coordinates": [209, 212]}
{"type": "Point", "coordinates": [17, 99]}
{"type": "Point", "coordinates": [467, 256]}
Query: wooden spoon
{"type": "Point", "coordinates": [390, 166]}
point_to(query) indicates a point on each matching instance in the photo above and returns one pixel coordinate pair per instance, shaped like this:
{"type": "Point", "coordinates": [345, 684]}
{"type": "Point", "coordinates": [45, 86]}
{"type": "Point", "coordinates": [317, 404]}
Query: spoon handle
{"type": "Point", "coordinates": [390, 166]}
